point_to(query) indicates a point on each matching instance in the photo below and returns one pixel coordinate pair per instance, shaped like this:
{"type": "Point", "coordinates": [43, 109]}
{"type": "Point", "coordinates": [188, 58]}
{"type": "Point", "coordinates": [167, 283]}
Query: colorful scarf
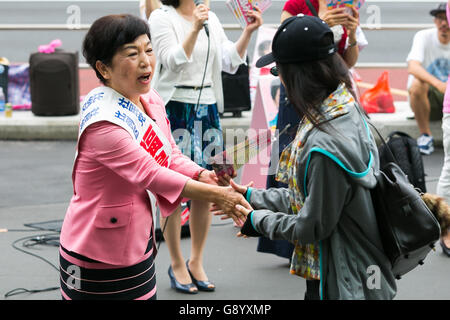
{"type": "Point", "coordinates": [305, 258]}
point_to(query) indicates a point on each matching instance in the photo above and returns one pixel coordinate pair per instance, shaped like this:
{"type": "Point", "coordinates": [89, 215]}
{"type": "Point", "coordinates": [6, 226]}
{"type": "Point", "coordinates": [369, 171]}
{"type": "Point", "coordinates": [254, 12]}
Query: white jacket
{"type": "Point", "coordinates": [166, 37]}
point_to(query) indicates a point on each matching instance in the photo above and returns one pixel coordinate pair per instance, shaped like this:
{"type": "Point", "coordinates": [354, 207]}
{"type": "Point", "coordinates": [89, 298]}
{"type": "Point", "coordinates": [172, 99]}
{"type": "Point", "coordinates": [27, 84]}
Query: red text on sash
{"type": "Point", "coordinates": [153, 145]}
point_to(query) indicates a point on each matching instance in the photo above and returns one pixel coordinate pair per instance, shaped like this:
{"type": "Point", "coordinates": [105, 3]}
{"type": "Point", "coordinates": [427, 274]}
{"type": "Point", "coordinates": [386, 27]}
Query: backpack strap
{"type": "Point", "coordinates": [398, 133]}
{"type": "Point", "coordinates": [311, 8]}
{"type": "Point", "coordinates": [391, 154]}
{"type": "Point", "coordinates": [338, 162]}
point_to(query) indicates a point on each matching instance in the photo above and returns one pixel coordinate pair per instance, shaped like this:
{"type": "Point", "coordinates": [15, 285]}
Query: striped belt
{"type": "Point", "coordinates": [192, 87]}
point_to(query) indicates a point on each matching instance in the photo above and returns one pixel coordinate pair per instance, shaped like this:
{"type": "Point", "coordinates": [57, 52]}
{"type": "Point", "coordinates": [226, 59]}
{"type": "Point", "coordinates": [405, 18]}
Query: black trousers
{"type": "Point", "coordinates": [312, 290]}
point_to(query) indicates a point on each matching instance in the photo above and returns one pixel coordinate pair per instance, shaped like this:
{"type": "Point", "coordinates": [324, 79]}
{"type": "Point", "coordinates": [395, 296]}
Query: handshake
{"type": "Point", "coordinates": [226, 195]}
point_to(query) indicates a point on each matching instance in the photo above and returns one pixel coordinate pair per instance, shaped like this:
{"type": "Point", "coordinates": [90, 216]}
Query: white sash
{"type": "Point", "coordinates": [106, 104]}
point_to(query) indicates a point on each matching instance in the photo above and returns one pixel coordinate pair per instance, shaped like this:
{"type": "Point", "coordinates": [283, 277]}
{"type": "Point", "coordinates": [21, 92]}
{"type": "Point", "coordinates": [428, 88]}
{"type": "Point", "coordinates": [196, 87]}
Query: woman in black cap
{"type": "Point", "coordinates": [329, 168]}
{"type": "Point", "coordinates": [345, 30]}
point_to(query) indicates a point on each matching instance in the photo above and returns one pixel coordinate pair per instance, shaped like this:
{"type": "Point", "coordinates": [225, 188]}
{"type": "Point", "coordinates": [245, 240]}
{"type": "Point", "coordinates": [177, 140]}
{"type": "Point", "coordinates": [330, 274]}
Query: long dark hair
{"type": "Point", "coordinates": [308, 84]}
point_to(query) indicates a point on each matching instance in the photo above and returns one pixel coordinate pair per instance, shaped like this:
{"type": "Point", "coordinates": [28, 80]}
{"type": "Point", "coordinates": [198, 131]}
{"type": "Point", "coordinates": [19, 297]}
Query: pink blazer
{"type": "Point", "coordinates": [109, 217]}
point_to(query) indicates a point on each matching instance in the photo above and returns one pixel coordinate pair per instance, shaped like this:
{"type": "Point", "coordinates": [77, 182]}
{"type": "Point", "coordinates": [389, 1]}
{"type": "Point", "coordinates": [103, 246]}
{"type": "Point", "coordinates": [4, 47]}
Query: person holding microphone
{"type": "Point", "coordinates": [192, 50]}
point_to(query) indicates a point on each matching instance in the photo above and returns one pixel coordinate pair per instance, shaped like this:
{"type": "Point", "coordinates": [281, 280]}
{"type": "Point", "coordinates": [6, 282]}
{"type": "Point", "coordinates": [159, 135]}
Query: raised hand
{"type": "Point", "coordinates": [334, 16]}
{"type": "Point", "coordinates": [200, 16]}
{"type": "Point", "coordinates": [256, 14]}
{"type": "Point", "coordinates": [352, 23]}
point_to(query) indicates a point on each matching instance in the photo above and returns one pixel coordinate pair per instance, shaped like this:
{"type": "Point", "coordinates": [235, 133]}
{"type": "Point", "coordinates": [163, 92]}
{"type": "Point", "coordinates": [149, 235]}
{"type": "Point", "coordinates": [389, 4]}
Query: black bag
{"type": "Point", "coordinates": [54, 84]}
{"type": "Point", "coordinates": [407, 227]}
{"type": "Point", "coordinates": [407, 156]}
{"type": "Point", "coordinates": [4, 80]}
{"type": "Point", "coordinates": [236, 91]}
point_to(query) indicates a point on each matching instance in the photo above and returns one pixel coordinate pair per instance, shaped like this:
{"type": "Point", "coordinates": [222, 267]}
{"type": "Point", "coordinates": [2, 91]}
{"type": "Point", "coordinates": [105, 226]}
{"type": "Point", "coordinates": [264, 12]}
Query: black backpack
{"type": "Point", "coordinates": [408, 228]}
{"type": "Point", "coordinates": [407, 155]}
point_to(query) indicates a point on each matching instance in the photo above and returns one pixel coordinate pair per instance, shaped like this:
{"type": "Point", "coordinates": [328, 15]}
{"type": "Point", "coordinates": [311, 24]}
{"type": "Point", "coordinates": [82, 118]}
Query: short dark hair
{"type": "Point", "coordinates": [173, 3]}
{"type": "Point", "coordinates": [107, 34]}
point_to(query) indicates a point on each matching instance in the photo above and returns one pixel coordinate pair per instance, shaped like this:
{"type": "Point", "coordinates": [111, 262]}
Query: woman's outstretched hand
{"type": "Point", "coordinates": [227, 206]}
{"type": "Point", "coordinates": [240, 188]}
{"type": "Point", "coordinates": [237, 213]}
{"type": "Point", "coordinates": [245, 212]}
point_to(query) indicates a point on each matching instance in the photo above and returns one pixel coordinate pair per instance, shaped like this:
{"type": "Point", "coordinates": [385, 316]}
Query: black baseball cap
{"type": "Point", "coordinates": [300, 38]}
{"type": "Point", "coordinates": [442, 7]}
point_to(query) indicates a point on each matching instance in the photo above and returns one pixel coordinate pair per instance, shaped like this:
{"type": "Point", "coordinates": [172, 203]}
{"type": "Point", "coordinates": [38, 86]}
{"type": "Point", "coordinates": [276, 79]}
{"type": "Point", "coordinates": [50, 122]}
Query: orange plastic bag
{"type": "Point", "coordinates": [379, 98]}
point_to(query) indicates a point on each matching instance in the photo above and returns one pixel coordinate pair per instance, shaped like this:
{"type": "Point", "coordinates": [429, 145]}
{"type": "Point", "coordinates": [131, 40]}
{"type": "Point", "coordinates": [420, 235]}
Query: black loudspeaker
{"type": "Point", "coordinates": [4, 80]}
{"type": "Point", "coordinates": [236, 91]}
{"type": "Point", "coordinates": [54, 84]}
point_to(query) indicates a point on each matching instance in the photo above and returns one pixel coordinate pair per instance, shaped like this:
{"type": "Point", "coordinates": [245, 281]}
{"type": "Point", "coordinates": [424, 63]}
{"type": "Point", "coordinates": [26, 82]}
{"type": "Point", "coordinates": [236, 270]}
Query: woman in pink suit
{"type": "Point", "coordinates": [127, 163]}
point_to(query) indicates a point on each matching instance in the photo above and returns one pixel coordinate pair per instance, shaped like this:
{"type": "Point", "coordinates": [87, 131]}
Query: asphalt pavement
{"type": "Point", "coordinates": [35, 187]}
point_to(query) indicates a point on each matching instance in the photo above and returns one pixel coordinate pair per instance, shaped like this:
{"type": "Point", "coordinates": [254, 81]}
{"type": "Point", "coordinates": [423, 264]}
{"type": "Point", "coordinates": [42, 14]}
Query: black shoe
{"type": "Point", "coordinates": [201, 285]}
{"type": "Point", "coordinates": [184, 288]}
{"type": "Point", "coordinates": [445, 249]}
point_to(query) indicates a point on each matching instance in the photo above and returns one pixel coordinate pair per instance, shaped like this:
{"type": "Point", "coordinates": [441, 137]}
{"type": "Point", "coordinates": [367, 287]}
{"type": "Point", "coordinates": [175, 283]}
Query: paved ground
{"type": "Point", "coordinates": [35, 184]}
{"type": "Point", "coordinates": [36, 187]}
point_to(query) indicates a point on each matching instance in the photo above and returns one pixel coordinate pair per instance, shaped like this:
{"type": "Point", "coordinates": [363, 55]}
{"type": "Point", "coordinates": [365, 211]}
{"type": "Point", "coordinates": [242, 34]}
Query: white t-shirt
{"type": "Point", "coordinates": [431, 53]}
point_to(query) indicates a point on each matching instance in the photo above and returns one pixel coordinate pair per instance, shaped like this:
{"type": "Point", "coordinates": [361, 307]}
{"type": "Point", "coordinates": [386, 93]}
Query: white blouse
{"type": "Point", "coordinates": [193, 72]}
{"type": "Point", "coordinates": [167, 36]}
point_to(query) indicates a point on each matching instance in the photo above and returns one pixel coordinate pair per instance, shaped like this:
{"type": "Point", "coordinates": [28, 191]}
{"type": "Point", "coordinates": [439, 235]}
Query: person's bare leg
{"type": "Point", "coordinates": [172, 237]}
{"type": "Point", "coordinates": [446, 240]}
{"type": "Point", "coordinates": [199, 223]}
{"type": "Point", "coordinates": [420, 105]}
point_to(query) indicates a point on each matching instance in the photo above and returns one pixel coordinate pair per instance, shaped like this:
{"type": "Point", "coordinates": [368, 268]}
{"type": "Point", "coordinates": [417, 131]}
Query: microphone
{"type": "Point", "coordinates": [205, 24]}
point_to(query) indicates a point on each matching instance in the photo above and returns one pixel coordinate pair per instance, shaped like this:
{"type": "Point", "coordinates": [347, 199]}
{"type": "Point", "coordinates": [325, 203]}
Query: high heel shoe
{"type": "Point", "coordinates": [184, 288]}
{"type": "Point", "coordinates": [201, 285]}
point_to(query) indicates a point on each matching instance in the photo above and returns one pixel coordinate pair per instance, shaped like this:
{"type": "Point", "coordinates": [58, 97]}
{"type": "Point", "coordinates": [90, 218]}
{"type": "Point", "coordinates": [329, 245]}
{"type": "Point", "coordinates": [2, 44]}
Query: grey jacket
{"type": "Point", "coordinates": [337, 211]}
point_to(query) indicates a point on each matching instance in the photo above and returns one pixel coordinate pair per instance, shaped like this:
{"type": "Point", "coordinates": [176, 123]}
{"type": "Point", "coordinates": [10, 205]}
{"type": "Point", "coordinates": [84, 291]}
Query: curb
{"type": "Point", "coordinates": [24, 125]}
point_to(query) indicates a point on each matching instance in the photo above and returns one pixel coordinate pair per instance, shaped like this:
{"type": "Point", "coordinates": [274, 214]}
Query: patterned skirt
{"type": "Point", "coordinates": [82, 278]}
{"type": "Point", "coordinates": [197, 132]}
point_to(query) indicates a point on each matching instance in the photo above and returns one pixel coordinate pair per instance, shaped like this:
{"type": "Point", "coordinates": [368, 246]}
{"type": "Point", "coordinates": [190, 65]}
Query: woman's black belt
{"type": "Point", "coordinates": [192, 87]}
